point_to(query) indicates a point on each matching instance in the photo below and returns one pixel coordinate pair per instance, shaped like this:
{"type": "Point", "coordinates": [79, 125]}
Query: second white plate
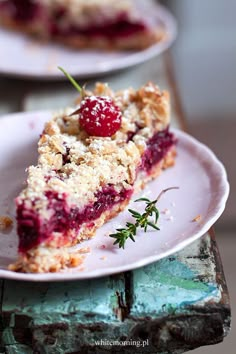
{"type": "Point", "coordinates": [24, 57]}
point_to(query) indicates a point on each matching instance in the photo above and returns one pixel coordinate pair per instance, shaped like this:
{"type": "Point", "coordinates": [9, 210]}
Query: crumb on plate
{"type": "Point", "coordinates": [6, 223]}
{"type": "Point", "coordinates": [166, 211]}
{"type": "Point", "coordinates": [197, 218]}
{"type": "Point", "coordinates": [84, 250]}
{"type": "Point", "coordinates": [81, 269]}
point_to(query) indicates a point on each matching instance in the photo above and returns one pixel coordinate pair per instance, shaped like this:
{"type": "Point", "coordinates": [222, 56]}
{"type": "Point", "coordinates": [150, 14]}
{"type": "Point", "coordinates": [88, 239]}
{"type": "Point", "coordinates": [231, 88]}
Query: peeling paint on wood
{"type": "Point", "coordinates": [173, 305]}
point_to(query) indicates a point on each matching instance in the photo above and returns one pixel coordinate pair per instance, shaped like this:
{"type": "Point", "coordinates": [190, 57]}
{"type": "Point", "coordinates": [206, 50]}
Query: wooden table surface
{"type": "Point", "coordinates": [171, 306]}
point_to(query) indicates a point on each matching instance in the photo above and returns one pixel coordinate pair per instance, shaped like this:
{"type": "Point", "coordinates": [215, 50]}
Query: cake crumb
{"type": "Point", "coordinates": [52, 62]}
{"type": "Point", "coordinates": [84, 250]}
{"type": "Point", "coordinates": [103, 247]}
{"type": "Point", "coordinates": [103, 258]}
{"type": "Point", "coordinates": [6, 223]}
{"type": "Point", "coordinates": [75, 261]}
{"type": "Point", "coordinates": [166, 211]}
{"type": "Point", "coordinates": [197, 218]}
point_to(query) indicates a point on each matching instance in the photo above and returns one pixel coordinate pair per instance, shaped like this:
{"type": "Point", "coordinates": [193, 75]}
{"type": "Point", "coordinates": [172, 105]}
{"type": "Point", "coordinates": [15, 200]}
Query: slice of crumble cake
{"type": "Point", "coordinates": [108, 24]}
{"type": "Point", "coordinates": [91, 161]}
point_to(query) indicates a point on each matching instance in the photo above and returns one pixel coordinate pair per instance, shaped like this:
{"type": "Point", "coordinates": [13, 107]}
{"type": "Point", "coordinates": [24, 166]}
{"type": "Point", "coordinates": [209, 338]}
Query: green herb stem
{"type": "Point", "coordinates": [142, 221]}
{"type": "Point", "coordinates": [72, 80]}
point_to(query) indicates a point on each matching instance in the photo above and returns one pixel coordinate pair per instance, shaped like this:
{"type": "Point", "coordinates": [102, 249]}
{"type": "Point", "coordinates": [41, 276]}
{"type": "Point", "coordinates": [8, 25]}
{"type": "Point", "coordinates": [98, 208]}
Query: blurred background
{"type": "Point", "coordinates": [204, 57]}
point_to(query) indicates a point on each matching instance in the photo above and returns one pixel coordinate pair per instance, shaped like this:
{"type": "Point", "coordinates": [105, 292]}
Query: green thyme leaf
{"type": "Point", "coordinates": [142, 200]}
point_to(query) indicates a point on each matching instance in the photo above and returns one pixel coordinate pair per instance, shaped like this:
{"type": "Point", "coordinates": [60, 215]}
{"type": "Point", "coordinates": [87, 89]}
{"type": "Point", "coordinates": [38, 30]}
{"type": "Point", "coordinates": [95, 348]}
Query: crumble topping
{"type": "Point", "coordinates": [72, 162]}
{"type": "Point", "coordinates": [81, 12]}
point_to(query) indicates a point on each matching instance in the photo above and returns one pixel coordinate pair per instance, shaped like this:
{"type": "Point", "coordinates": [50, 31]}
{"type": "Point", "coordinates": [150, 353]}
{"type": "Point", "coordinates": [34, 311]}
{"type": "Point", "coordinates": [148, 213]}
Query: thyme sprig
{"type": "Point", "coordinates": [142, 221]}
{"type": "Point", "coordinates": [80, 89]}
{"type": "Point", "coordinates": [71, 79]}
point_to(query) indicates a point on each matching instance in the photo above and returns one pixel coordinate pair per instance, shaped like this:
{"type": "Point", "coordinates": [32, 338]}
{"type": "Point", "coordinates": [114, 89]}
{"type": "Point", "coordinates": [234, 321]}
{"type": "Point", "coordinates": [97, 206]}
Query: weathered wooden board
{"type": "Point", "coordinates": [170, 306]}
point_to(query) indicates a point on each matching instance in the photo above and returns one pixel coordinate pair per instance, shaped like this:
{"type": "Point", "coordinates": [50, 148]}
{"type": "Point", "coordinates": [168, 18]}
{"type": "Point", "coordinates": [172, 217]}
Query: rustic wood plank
{"type": "Point", "coordinates": [87, 299]}
{"type": "Point", "coordinates": [180, 280]}
{"type": "Point", "coordinates": [42, 312]}
{"type": "Point", "coordinates": [1, 301]}
{"type": "Point", "coordinates": [18, 349]}
{"type": "Point", "coordinates": [185, 304]}
{"type": "Point", "coordinates": [177, 107]}
{"type": "Point", "coordinates": [175, 304]}
{"type": "Point", "coordinates": [11, 95]}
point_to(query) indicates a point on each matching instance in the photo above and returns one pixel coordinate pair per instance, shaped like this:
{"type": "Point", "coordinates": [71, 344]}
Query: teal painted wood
{"type": "Point", "coordinates": [1, 317]}
{"type": "Point", "coordinates": [170, 306]}
{"type": "Point", "coordinates": [176, 282]}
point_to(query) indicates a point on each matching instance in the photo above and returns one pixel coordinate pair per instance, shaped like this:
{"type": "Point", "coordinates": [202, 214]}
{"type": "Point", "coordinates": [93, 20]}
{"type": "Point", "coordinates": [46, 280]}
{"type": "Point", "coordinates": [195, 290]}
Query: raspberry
{"type": "Point", "coordinates": [99, 116]}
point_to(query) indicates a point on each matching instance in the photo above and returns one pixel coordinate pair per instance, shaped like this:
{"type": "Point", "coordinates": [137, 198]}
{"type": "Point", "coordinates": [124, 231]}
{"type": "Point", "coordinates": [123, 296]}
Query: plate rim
{"type": "Point", "coordinates": [224, 193]}
{"type": "Point", "coordinates": [133, 59]}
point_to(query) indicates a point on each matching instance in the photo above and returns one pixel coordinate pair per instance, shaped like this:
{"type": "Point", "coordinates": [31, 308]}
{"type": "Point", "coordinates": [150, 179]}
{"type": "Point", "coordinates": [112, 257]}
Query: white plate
{"type": "Point", "coordinates": [24, 57]}
{"type": "Point", "coordinates": [203, 190]}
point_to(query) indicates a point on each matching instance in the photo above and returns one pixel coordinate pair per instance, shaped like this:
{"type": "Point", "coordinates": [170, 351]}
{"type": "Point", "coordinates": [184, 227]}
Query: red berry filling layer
{"type": "Point", "coordinates": [33, 230]}
{"type": "Point", "coordinates": [157, 148]}
{"type": "Point", "coordinates": [119, 28]}
{"type": "Point", "coordinates": [23, 10]}
{"type": "Point", "coordinates": [28, 10]}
